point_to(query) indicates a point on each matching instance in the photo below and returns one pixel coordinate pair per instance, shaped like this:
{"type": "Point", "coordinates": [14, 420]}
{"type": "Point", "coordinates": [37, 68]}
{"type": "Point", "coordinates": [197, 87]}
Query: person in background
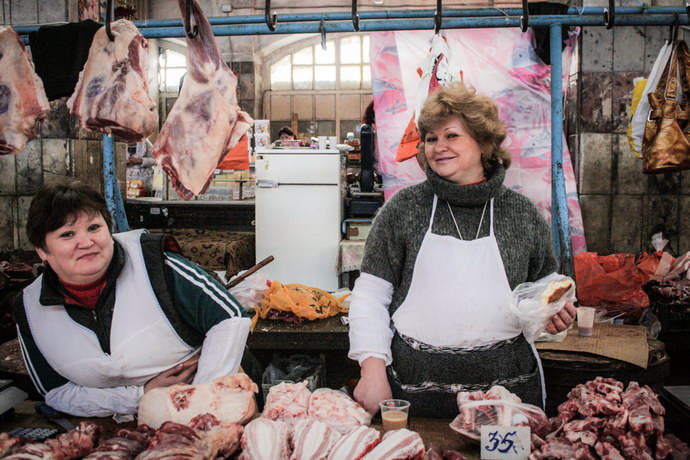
{"type": "Point", "coordinates": [429, 313]}
{"type": "Point", "coordinates": [116, 315]}
{"type": "Point", "coordinates": [368, 149]}
{"type": "Point", "coordinates": [140, 164]}
{"type": "Point", "coordinates": [286, 135]}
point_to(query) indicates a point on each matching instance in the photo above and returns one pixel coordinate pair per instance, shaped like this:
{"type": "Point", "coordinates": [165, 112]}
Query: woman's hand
{"type": "Point", "coordinates": [182, 373]}
{"type": "Point", "coordinates": [562, 320]}
{"type": "Point", "coordinates": [373, 386]}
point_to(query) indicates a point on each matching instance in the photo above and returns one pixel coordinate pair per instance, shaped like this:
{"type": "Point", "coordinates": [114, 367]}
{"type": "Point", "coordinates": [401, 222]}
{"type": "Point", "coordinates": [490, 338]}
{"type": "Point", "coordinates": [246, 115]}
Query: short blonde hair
{"type": "Point", "coordinates": [478, 113]}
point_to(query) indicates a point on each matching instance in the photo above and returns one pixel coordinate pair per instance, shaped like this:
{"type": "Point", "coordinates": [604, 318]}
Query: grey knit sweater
{"type": "Point", "coordinates": [523, 236]}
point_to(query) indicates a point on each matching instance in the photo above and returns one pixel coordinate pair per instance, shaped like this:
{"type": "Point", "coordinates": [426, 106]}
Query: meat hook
{"type": "Point", "coordinates": [322, 30]}
{"type": "Point", "coordinates": [438, 16]}
{"type": "Point", "coordinates": [108, 19]}
{"type": "Point", "coordinates": [673, 28]}
{"type": "Point", "coordinates": [270, 22]}
{"type": "Point", "coordinates": [190, 31]}
{"type": "Point", "coordinates": [687, 8]}
{"type": "Point", "coordinates": [355, 16]}
{"type": "Point", "coordinates": [610, 14]}
{"type": "Point", "coordinates": [524, 19]}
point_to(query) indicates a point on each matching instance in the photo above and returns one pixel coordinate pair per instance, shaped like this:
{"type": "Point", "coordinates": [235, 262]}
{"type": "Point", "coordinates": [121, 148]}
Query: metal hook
{"type": "Point", "coordinates": [355, 16]}
{"type": "Point", "coordinates": [270, 21]}
{"type": "Point", "coordinates": [188, 30]}
{"type": "Point", "coordinates": [108, 19]}
{"type": "Point", "coordinates": [687, 8]}
{"type": "Point", "coordinates": [610, 14]}
{"type": "Point", "coordinates": [673, 29]}
{"type": "Point", "coordinates": [322, 30]}
{"type": "Point", "coordinates": [524, 19]}
{"type": "Point", "coordinates": [438, 16]}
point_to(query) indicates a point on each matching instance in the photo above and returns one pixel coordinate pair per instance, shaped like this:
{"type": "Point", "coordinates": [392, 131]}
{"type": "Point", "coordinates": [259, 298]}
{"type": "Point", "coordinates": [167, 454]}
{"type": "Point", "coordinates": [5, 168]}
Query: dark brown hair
{"type": "Point", "coordinates": [478, 113]}
{"type": "Point", "coordinates": [55, 205]}
{"type": "Point", "coordinates": [286, 130]}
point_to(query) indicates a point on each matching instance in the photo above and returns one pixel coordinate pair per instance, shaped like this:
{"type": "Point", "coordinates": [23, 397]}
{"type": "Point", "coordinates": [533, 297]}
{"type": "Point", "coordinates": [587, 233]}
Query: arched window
{"type": "Point", "coordinates": [325, 89]}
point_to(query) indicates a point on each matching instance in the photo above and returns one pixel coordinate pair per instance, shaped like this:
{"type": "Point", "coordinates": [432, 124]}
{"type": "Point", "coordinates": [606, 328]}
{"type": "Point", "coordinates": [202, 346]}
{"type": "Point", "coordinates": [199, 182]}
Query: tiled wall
{"type": "Point", "coordinates": [622, 207]}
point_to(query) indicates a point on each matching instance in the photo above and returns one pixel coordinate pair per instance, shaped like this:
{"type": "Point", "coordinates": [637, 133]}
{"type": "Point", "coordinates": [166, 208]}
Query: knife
{"type": "Point", "coordinates": [54, 416]}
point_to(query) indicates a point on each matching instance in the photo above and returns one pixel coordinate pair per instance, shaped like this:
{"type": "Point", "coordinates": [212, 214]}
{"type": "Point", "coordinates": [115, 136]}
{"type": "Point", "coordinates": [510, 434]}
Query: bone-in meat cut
{"type": "Point", "coordinates": [229, 399]}
{"type": "Point", "coordinates": [205, 121]}
{"type": "Point", "coordinates": [356, 444]}
{"type": "Point", "coordinates": [400, 444]}
{"type": "Point", "coordinates": [313, 440]}
{"type": "Point", "coordinates": [338, 410]}
{"type": "Point", "coordinates": [112, 95]}
{"type": "Point", "coordinates": [288, 402]}
{"type": "Point", "coordinates": [265, 439]}
{"type": "Point", "coordinates": [23, 100]}
{"type": "Point", "coordinates": [125, 445]}
{"type": "Point", "coordinates": [67, 446]}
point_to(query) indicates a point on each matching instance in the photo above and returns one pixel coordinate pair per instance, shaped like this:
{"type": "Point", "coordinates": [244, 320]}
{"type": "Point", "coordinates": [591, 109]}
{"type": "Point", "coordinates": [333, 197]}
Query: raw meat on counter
{"type": "Point", "coordinates": [338, 410]}
{"type": "Point", "coordinates": [287, 402]}
{"type": "Point", "coordinates": [602, 420]}
{"type": "Point", "coordinates": [205, 121]}
{"type": "Point", "coordinates": [313, 440]}
{"type": "Point", "coordinates": [8, 443]}
{"type": "Point", "coordinates": [356, 444]}
{"type": "Point", "coordinates": [435, 453]}
{"type": "Point", "coordinates": [229, 399]}
{"type": "Point", "coordinates": [23, 99]}
{"type": "Point", "coordinates": [400, 444]}
{"type": "Point", "coordinates": [67, 446]}
{"type": "Point", "coordinates": [125, 445]}
{"type": "Point", "coordinates": [112, 95]}
{"type": "Point", "coordinates": [204, 438]}
{"type": "Point", "coordinates": [265, 439]}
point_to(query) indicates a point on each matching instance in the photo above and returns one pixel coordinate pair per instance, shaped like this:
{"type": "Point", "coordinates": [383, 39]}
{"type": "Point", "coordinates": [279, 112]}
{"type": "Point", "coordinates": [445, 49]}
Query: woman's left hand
{"type": "Point", "coordinates": [562, 320]}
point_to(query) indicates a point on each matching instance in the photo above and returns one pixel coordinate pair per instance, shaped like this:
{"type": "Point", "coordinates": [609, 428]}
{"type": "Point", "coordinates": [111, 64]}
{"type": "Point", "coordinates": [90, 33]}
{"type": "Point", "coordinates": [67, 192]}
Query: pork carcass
{"type": "Point", "coordinates": [112, 95]}
{"type": "Point", "coordinates": [313, 440]}
{"type": "Point", "coordinates": [205, 121]}
{"type": "Point", "coordinates": [229, 399]}
{"type": "Point", "coordinates": [338, 410]}
{"type": "Point", "coordinates": [265, 439]}
{"type": "Point", "coordinates": [400, 444]}
{"type": "Point", "coordinates": [356, 444]}
{"type": "Point", "coordinates": [288, 402]}
{"type": "Point", "coordinates": [125, 445]}
{"type": "Point", "coordinates": [67, 446]}
{"type": "Point", "coordinates": [23, 99]}
{"type": "Point", "coordinates": [204, 438]}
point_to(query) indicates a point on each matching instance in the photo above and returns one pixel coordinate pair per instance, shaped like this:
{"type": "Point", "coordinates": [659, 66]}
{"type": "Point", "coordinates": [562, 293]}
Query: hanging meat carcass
{"type": "Point", "coordinates": [23, 100]}
{"type": "Point", "coordinates": [205, 121]}
{"type": "Point", "coordinates": [112, 95]}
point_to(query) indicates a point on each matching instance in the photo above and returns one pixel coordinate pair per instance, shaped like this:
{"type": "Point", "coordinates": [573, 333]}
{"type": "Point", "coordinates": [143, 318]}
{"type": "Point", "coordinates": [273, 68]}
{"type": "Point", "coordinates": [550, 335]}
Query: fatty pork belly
{"type": "Point", "coordinates": [356, 444]}
{"type": "Point", "coordinates": [205, 121]}
{"type": "Point", "coordinates": [23, 100]}
{"type": "Point", "coordinates": [265, 439]}
{"type": "Point", "coordinates": [67, 446]}
{"type": "Point", "coordinates": [112, 95]}
{"type": "Point", "coordinates": [313, 440]}
{"type": "Point", "coordinates": [229, 399]}
{"type": "Point", "coordinates": [400, 444]}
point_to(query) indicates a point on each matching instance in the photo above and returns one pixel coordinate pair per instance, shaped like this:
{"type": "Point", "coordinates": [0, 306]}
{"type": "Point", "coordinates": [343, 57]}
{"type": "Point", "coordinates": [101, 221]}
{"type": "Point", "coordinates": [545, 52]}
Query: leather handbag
{"type": "Point", "coordinates": [666, 141]}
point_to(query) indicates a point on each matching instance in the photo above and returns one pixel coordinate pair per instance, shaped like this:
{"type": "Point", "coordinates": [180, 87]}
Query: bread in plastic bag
{"type": "Point", "coordinates": [531, 308]}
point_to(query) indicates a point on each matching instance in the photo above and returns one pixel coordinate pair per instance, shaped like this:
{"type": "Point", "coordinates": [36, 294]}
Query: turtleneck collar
{"type": "Point", "coordinates": [467, 195]}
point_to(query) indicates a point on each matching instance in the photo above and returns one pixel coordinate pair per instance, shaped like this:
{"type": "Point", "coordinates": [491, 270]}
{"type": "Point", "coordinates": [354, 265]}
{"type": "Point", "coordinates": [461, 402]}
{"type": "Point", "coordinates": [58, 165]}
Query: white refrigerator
{"type": "Point", "coordinates": [299, 210]}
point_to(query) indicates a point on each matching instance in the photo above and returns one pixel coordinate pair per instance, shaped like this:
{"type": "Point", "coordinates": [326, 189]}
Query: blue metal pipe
{"type": "Point", "coordinates": [560, 226]}
{"type": "Point", "coordinates": [111, 190]}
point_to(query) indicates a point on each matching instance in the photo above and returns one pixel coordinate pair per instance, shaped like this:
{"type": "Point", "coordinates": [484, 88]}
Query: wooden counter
{"type": "Point", "coordinates": [321, 334]}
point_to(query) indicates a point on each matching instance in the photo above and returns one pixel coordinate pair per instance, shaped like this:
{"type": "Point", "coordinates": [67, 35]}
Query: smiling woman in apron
{"type": "Point", "coordinates": [113, 316]}
{"type": "Point", "coordinates": [429, 313]}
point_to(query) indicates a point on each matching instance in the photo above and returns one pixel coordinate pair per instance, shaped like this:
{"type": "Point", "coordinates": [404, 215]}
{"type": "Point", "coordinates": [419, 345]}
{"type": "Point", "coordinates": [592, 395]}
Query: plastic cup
{"type": "Point", "coordinates": [585, 321]}
{"type": "Point", "coordinates": [394, 413]}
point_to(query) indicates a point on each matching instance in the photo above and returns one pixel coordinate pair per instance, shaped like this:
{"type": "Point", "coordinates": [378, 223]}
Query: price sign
{"type": "Point", "coordinates": [505, 442]}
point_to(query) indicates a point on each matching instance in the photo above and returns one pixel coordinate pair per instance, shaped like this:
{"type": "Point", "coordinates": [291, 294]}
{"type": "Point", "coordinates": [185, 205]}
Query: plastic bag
{"type": "Point", "coordinates": [250, 291]}
{"type": "Point", "coordinates": [532, 313]}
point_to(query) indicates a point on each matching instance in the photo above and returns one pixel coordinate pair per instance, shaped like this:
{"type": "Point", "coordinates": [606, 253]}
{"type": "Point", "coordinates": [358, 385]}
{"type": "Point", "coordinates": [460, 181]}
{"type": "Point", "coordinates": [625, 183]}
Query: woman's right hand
{"type": "Point", "coordinates": [182, 373]}
{"type": "Point", "coordinates": [373, 386]}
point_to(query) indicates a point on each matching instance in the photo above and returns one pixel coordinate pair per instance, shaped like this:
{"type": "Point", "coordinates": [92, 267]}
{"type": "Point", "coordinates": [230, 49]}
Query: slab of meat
{"type": "Point", "coordinates": [337, 410]}
{"type": "Point", "coordinates": [23, 100]}
{"type": "Point", "coordinates": [125, 445]}
{"type": "Point", "coordinates": [398, 445]}
{"type": "Point", "coordinates": [67, 446]}
{"type": "Point", "coordinates": [205, 121]}
{"type": "Point", "coordinates": [313, 440]}
{"type": "Point", "coordinates": [356, 444]}
{"type": "Point", "coordinates": [287, 402]}
{"type": "Point", "coordinates": [265, 439]}
{"type": "Point", "coordinates": [8, 443]}
{"type": "Point", "coordinates": [435, 453]}
{"type": "Point", "coordinates": [229, 399]}
{"type": "Point", "coordinates": [204, 438]}
{"type": "Point", "coordinates": [112, 95]}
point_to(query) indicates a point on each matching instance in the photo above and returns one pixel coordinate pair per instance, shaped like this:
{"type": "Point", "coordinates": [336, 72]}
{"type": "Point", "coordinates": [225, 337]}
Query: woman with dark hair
{"type": "Point", "coordinates": [115, 315]}
{"type": "Point", "coordinates": [429, 313]}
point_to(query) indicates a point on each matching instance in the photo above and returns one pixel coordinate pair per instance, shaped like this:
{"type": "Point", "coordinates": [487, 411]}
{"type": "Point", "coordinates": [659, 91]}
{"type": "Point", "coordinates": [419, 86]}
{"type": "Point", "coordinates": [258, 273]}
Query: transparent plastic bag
{"type": "Point", "coordinates": [531, 311]}
{"type": "Point", "coordinates": [250, 291]}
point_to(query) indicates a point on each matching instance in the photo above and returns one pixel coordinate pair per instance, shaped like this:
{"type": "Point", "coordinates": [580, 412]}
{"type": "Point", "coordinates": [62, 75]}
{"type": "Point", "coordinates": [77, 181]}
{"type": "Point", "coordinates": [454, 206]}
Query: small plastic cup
{"type": "Point", "coordinates": [394, 413]}
{"type": "Point", "coordinates": [585, 321]}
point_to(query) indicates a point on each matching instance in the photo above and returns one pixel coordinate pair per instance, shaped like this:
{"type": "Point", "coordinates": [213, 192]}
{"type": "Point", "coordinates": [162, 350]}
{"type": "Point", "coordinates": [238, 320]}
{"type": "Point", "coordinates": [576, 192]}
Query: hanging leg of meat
{"type": "Point", "coordinates": [356, 444]}
{"type": "Point", "coordinates": [125, 445]}
{"type": "Point", "coordinates": [205, 121]}
{"type": "Point", "coordinates": [68, 446]}
{"type": "Point", "coordinates": [112, 95]}
{"type": "Point", "coordinates": [338, 410]}
{"type": "Point", "coordinates": [265, 439]}
{"type": "Point", "coordinates": [313, 440]}
{"type": "Point", "coordinates": [398, 445]}
{"type": "Point", "coordinates": [23, 100]}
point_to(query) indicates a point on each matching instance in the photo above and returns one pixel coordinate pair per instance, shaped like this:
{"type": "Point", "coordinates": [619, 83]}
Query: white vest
{"type": "Point", "coordinates": [143, 343]}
